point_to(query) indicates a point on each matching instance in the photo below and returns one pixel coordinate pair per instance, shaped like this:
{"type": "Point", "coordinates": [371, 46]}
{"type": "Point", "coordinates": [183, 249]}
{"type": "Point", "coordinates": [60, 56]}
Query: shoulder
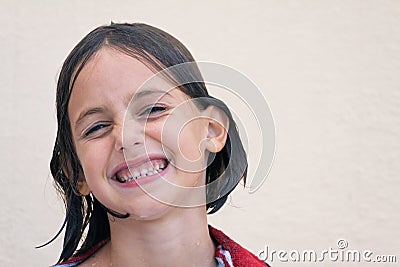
{"type": "Point", "coordinates": [240, 256]}
{"type": "Point", "coordinates": [83, 259]}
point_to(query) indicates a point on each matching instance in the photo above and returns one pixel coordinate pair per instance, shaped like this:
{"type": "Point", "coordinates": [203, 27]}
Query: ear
{"type": "Point", "coordinates": [218, 125]}
{"type": "Point", "coordinates": [83, 187]}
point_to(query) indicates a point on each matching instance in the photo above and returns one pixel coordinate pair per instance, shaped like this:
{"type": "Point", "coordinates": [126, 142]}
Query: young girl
{"type": "Point", "coordinates": [140, 166]}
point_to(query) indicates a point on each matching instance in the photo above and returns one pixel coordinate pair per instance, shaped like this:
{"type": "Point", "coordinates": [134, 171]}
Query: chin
{"type": "Point", "coordinates": [147, 209]}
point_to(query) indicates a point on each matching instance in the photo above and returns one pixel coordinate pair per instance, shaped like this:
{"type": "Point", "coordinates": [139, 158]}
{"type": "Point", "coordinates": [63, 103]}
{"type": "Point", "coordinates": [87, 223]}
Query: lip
{"type": "Point", "coordinates": [142, 181]}
{"type": "Point", "coordinates": [135, 162]}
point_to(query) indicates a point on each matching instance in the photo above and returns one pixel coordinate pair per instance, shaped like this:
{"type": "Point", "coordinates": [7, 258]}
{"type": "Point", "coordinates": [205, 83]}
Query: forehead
{"type": "Point", "coordinates": [106, 76]}
{"type": "Point", "coordinates": [110, 68]}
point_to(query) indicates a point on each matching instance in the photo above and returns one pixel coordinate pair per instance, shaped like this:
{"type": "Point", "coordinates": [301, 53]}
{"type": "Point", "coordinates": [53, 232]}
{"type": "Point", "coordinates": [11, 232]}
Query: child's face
{"type": "Point", "coordinates": [172, 137]}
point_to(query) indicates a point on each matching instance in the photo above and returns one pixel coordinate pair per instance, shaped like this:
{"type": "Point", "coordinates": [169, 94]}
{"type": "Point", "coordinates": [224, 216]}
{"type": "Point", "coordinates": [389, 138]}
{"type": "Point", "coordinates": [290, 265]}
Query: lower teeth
{"type": "Point", "coordinates": [138, 177]}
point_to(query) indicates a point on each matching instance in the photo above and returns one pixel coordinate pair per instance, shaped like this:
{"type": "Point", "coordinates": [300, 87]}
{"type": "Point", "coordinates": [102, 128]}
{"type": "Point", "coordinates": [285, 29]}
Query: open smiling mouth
{"type": "Point", "coordinates": [145, 169]}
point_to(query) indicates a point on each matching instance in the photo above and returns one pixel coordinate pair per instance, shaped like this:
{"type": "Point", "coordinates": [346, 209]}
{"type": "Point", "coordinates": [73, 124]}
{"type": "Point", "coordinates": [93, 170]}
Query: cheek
{"type": "Point", "coordinates": [93, 157]}
{"type": "Point", "coordinates": [176, 136]}
{"type": "Point", "coordinates": [154, 130]}
{"type": "Point", "coordinates": [181, 136]}
{"type": "Point", "coordinates": [189, 143]}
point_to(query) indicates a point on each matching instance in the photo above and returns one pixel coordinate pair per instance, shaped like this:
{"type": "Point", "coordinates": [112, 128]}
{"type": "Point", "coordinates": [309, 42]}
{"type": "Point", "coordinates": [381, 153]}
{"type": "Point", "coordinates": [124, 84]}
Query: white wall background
{"type": "Point", "coordinates": [329, 69]}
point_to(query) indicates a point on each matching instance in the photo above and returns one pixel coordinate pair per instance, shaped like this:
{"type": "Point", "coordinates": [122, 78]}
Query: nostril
{"type": "Point", "coordinates": [125, 145]}
{"type": "Point", "coordinates": [119, 146]}
{"type": "Point", "coordinates": [118, 138]}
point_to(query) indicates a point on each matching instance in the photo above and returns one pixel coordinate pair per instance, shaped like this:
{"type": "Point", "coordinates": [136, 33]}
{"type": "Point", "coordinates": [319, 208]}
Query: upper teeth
{"type": "Point", "coordinates": [143, 172]}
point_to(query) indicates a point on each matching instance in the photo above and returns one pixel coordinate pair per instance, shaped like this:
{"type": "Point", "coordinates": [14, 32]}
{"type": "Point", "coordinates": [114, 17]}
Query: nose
{"type": "Point", "coordinates": [127, 136]}
{"type": "Point", "coordinates": [118, 137]}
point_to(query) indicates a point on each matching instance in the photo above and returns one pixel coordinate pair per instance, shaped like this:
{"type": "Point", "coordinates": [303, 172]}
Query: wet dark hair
{"type": "Point", "coordinates": [158, 50]}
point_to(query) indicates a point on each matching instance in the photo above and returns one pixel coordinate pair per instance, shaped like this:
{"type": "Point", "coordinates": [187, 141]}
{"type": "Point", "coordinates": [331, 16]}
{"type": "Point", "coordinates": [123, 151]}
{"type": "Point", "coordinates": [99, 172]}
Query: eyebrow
{"type": "Point", "coordinates": [146, 92]}
{"type": "Point", "coordinates": [87, 112]}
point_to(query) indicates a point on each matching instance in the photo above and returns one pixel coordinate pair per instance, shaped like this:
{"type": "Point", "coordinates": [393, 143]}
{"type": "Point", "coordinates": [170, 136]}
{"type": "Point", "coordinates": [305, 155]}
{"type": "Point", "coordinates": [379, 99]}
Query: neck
{"type": "Point", "coordinates": [181, 240]}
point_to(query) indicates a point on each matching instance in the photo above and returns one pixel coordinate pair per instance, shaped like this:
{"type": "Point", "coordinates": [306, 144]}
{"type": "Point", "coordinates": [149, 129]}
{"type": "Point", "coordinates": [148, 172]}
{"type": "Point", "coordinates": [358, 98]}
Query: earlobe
{"type": "Point", "coordinates": [218, 126]}
{"type": "Point", "coordinates": [81, 184]}
{"type": "Point", "coordinates": [83, 187]}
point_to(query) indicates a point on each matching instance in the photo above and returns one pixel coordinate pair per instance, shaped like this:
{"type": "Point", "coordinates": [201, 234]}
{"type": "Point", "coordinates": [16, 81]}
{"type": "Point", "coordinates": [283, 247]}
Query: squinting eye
{"type": "Point", "coordinates": [95, 128]}
{"type": "Point", "coordinates": [153, 109]}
